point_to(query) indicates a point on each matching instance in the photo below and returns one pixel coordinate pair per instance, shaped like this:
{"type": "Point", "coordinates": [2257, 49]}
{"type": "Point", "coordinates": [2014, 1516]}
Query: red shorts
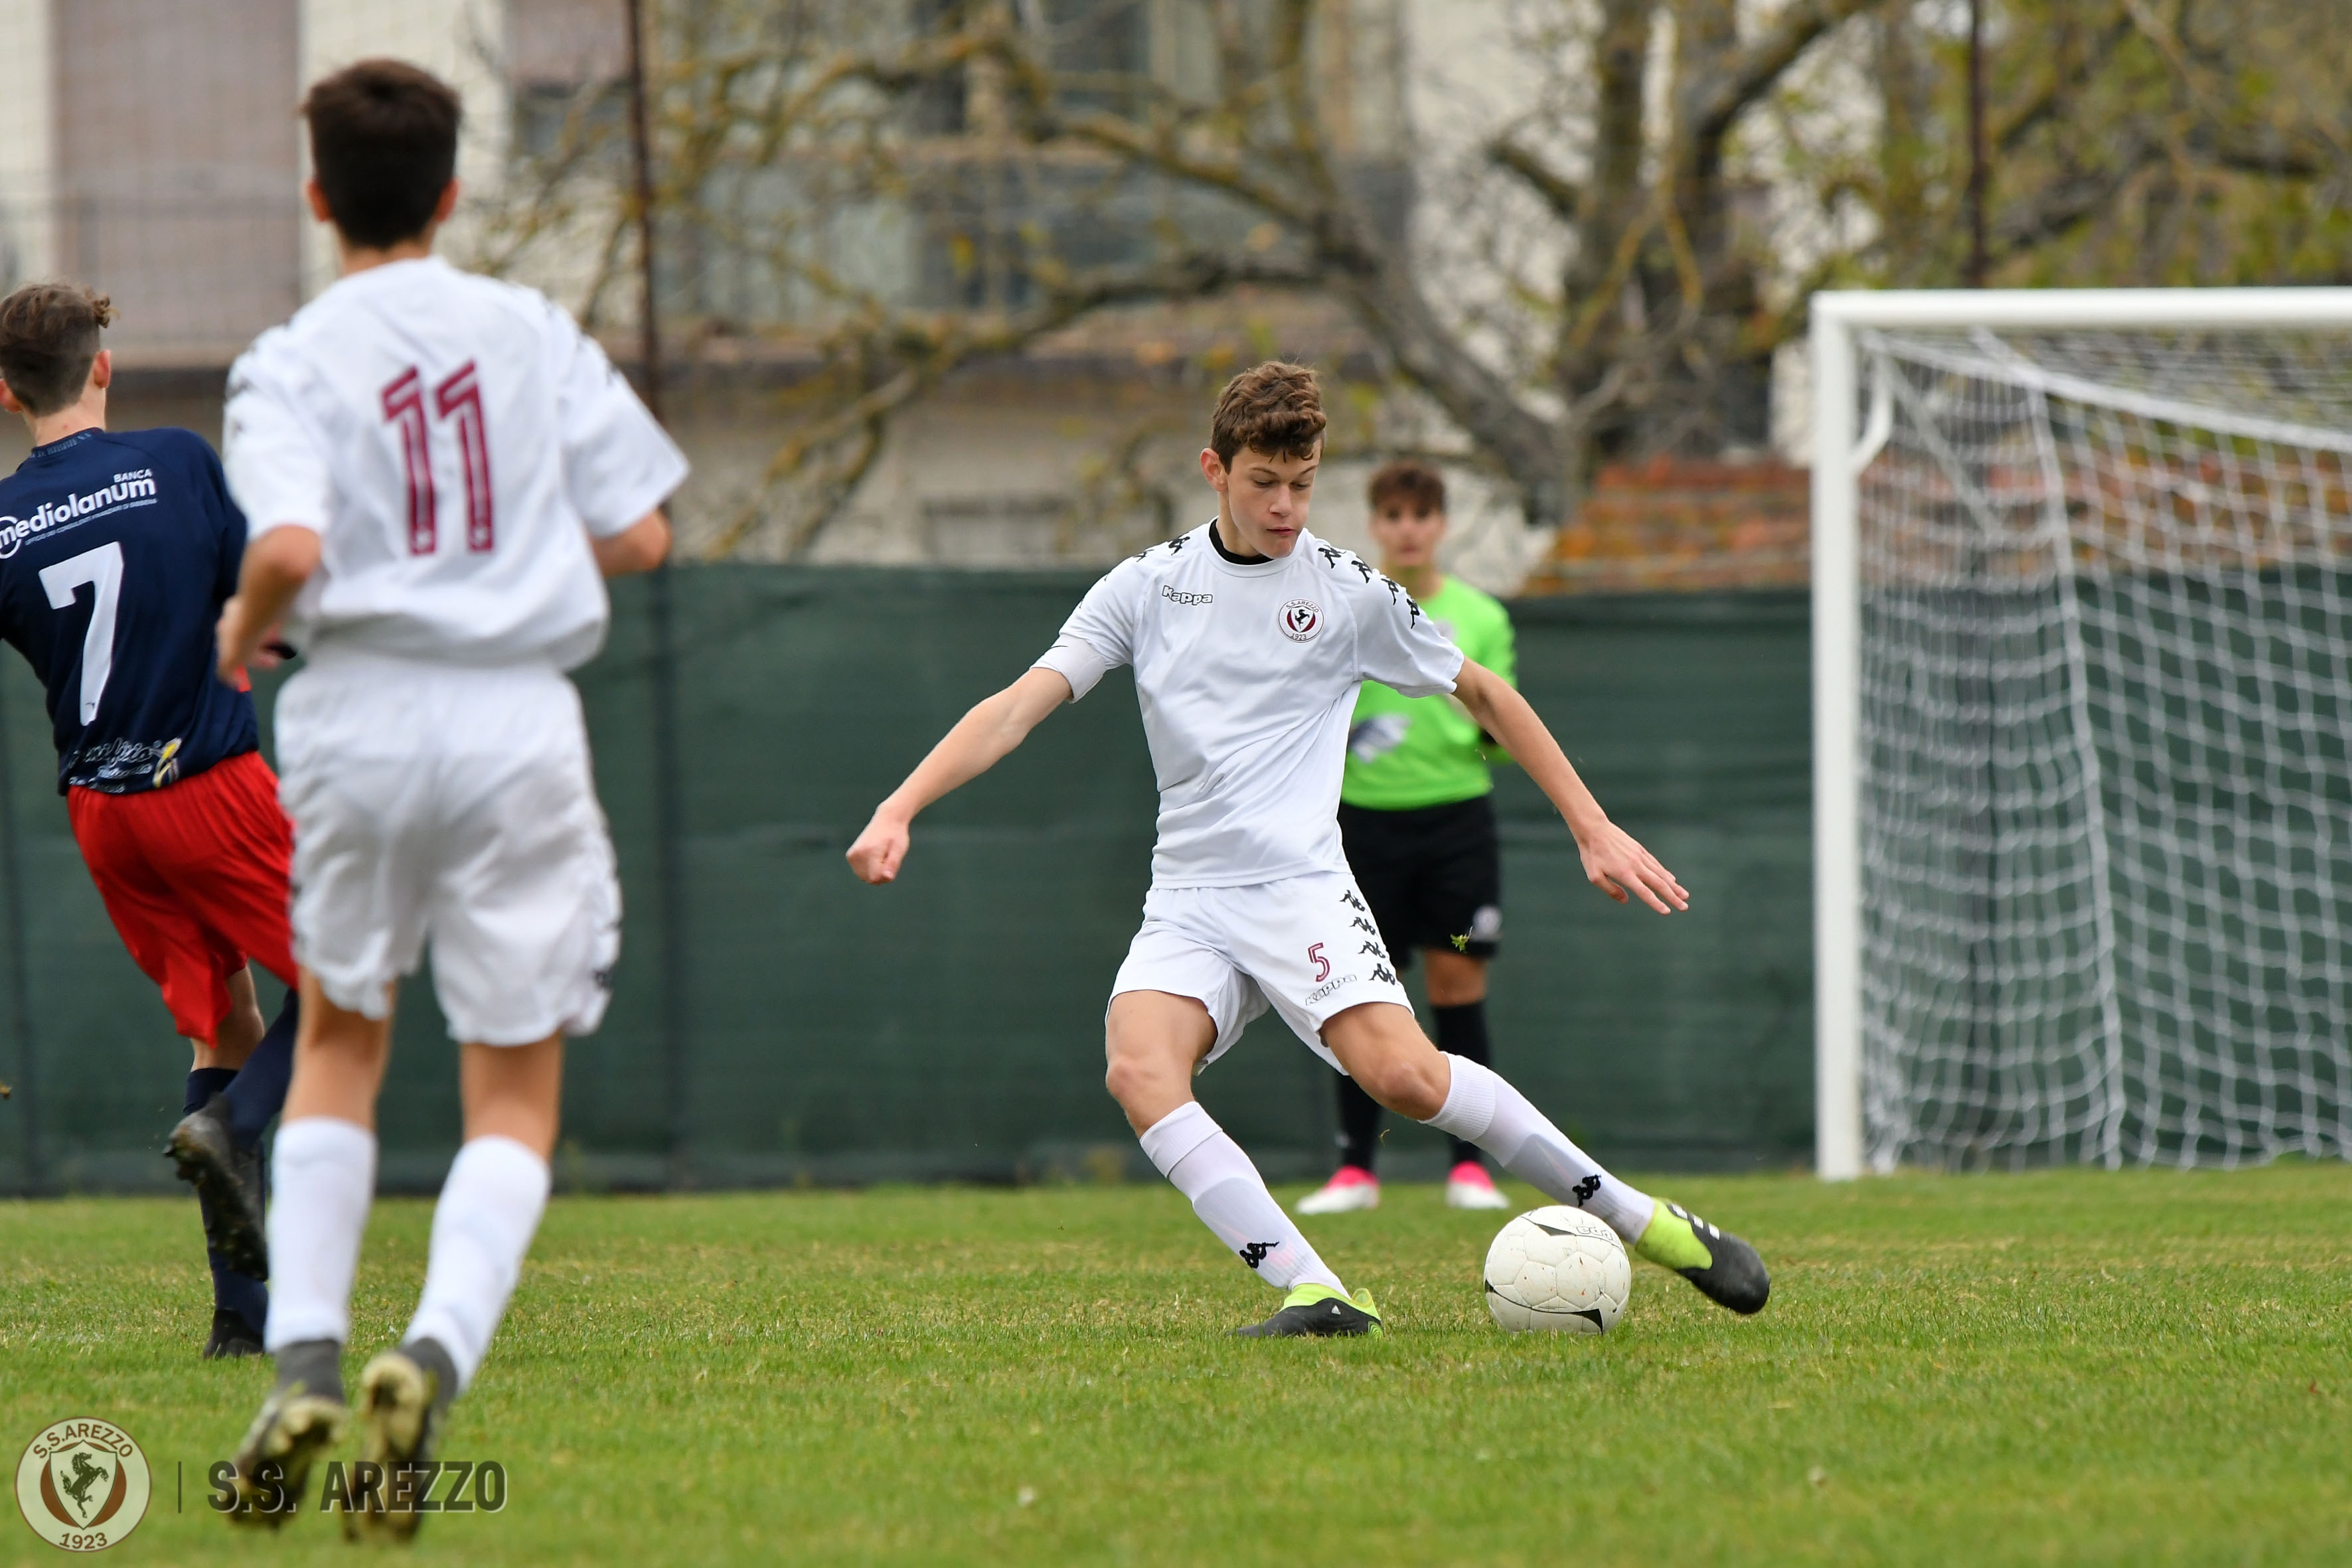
{"type": "Point", "coordinates": [194, 876]}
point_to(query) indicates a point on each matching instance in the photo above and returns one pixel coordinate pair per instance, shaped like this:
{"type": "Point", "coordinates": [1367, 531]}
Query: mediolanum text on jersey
{"type": "Point", "coordinates": [14, 531]}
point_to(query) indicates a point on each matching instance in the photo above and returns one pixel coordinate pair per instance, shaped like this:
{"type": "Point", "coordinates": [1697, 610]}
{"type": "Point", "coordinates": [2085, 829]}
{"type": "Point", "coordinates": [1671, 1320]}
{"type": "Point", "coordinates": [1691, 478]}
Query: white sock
{"type": "Point", "coordinates": [1193, 1153]}
{"type": "Point", "coordinates": [482, 1225]}
{"type": "Point", "coordinates": [321, 1180]}
{"type": "Point", "coordinates": [1489, 1112]}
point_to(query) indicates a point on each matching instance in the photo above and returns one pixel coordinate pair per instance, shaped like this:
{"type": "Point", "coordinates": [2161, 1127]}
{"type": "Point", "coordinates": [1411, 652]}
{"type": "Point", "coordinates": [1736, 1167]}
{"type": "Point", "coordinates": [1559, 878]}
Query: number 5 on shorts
{"type": "Point", "coordinates": [1322, 964]}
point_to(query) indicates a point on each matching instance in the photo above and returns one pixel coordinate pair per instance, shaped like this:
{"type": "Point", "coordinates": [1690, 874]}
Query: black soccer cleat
{"type": "Point", "coordinates": [1318, 1312]}
{"type": "Point", "coordinates": [303, 1417]}
{"type": "Point", "coordinates": [227, 1180]}
{"type": "Point", "coordinates": [1725, 1268]}
{"type": "Point", "coordinates": [232, 1338]}
{"type": "Point", "coordinates": [403, 1394]}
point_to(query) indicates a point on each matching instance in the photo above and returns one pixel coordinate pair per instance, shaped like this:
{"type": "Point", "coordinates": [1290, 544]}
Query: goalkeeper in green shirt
{"type": "Point", "coordinates": [1418, 817]}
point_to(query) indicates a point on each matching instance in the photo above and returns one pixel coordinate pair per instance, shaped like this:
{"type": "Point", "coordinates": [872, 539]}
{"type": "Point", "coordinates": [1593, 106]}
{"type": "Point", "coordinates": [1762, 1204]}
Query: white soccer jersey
{"type": "Point", "coordinates": [1246, 673]}
{"type": "Point", "coordinates": [449, 437]}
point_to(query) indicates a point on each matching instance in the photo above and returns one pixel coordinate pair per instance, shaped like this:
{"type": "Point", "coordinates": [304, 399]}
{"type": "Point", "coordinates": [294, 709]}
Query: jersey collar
{"type": "Point", "coordinates": [64, 443]}
{"type": "Point", "coordinates": [1245, 566]}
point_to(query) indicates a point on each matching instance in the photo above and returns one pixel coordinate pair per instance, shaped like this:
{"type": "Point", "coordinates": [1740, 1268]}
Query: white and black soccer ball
{"type": "Point", "coordinates": [1557, 1268]}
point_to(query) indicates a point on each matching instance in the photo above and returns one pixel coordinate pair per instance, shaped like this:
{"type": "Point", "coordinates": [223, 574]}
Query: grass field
{"type": "Point", "coordinates": [2069, 1368]}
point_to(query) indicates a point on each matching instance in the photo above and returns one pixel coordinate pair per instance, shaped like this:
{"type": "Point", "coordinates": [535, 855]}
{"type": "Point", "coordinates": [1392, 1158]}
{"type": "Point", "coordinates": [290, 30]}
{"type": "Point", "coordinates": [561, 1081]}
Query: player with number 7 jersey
{"type": "Point", "coordinates": [117, 549]}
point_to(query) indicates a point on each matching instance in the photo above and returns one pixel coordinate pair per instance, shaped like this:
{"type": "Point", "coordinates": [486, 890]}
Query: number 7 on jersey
{"type": "Point", "coordinates": [457, 396]}
{"type": "Point", "coordinates": [102, 570]}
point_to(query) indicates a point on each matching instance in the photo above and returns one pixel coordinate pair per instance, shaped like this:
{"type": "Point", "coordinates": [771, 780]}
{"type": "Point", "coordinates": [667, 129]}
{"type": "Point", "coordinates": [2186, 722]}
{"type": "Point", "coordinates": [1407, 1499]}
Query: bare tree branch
{"type": "Point", "coordinates": [943, 344]}
{"type": "Point", "coordinates": [1715, 102]}
{"type": "Point", "coordinates": [1564, 197]}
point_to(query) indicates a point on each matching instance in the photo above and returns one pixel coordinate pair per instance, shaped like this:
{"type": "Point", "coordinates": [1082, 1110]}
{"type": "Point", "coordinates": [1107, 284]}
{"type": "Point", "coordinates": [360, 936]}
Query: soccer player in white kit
{"type": "Point", "coordinates": [1249, 637]}
{"type": "Point", "coordinates": [437, 467]}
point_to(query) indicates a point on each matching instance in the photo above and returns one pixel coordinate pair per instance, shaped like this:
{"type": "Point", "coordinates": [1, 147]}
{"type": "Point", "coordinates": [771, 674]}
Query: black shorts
{"type": "Point", "coordinates": [1434, 876]}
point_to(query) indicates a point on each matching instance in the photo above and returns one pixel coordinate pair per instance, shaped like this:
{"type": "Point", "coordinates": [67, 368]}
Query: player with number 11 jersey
{"type": "Point", "coordinates": [439, 471]}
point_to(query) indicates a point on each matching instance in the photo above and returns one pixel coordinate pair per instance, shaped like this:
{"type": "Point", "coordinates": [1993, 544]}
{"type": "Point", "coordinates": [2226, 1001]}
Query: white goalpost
{"type": "Point", "coordinates": [2083, 726]}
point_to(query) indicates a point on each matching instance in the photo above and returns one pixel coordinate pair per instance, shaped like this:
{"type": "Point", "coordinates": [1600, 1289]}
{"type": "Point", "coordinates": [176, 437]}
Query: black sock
{"type": "Point", "coordinates": [1359, 1126]}
{"type": "Point", "coordinates": [1461, 1032]}
{"type": "Point", "coordinates": [259, 1091]}
{"type": "Point", "coordinates": [240, 1293]}
{"type": "Point", "coordinates": [203, 1084]}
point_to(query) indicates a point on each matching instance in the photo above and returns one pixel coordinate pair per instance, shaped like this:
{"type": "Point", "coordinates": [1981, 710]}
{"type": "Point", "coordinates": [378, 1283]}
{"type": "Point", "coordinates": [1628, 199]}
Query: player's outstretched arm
{"type": "Point", "coordinates": [276, 566]}
{"type": "Point", "coordinates": [1614, 861]}
{"type": "Point", "coordinates": [980, 738]}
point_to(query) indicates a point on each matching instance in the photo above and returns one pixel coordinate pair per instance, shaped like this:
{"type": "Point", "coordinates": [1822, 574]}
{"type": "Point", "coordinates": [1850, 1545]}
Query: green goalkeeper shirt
{"type": "Point", "coordinates": [1404, 753]}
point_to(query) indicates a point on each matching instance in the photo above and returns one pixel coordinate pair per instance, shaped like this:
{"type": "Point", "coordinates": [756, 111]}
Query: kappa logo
{"type": "Point", "coordinates": [1349, 898]}
{"type": "Point", "coordinates": [1331, 557]}
{"type": "Point", "coordinates": [1358, 563]}
{"type": "Point", "coordinates": [1178, 597]}
{"type": "Point", "coordinates": [1332, 988]}
{"type": "Point", "coordinates": [1301, 620]}
{"type": "Point", "coordinates": [1367, 927]}
{"type": "Point", "coordinates": [1585, 1189]}
{"type": "Point", "coordinates": [83, 1484]}
{"type": "Point", "coordinates": [1380, 973]}
{"type": "Point", "coordinates": [1256, 1252]}
{"type": "Point", "coordinates": [1398, 596]}
{"type": "Point", "coordinates": [1375, 948]}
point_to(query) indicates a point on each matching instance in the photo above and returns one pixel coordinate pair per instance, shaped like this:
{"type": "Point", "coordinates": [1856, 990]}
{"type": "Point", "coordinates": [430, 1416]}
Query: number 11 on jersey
{"type": "Point", "coordinates": [457, 396]}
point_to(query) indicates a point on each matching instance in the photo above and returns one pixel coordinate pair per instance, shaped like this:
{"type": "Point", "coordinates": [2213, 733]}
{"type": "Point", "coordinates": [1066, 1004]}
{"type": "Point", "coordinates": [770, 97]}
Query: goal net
{"type": "Point", "coordinates": [2100, 689]}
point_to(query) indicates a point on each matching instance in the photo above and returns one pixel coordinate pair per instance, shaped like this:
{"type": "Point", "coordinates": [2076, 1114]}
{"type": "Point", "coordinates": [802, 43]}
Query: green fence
{"type": "Point", "coordinates": [949, 1025]}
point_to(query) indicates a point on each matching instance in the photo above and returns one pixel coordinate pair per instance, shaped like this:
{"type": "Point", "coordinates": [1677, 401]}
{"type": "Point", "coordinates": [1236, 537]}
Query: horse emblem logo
{"type": "Point", "coordinates": [1301, 620]}
{"type": "Point", "coordinates": [83, 1484]}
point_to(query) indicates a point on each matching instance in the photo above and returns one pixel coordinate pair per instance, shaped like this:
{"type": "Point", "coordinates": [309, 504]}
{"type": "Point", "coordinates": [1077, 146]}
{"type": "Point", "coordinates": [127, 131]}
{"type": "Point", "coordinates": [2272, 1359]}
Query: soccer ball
{"type": "Point", "coordinates": [1558, 1267]}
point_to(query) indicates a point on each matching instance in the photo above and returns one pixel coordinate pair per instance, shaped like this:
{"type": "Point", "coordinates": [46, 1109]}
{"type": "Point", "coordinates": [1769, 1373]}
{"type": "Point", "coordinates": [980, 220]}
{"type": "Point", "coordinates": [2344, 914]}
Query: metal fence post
{"type": "Point", "coordinates": [670, 805]}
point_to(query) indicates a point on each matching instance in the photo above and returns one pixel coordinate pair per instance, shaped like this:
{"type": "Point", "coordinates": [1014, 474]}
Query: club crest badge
{"type": "Point", "coordinates": [82, 1484]}
{"type": "Point", "coordinates": [1301, 620]}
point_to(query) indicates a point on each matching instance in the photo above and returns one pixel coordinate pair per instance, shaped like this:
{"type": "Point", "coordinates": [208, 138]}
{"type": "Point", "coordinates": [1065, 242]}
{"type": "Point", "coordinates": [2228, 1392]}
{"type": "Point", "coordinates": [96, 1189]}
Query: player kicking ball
{"type": "Point", "coordinates": [1249, 637]}
{"type": "Point", "coordinates": [437, 466]}
{"type": "Point", "coordinates": [116, 549]}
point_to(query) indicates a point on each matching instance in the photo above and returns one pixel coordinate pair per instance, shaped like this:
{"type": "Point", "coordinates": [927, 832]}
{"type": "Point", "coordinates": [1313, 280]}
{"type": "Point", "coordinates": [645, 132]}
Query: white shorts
{"type": "Point", "coordinates": [1305, 944]}
{"type": "Point", "coordinates": [453, 804]}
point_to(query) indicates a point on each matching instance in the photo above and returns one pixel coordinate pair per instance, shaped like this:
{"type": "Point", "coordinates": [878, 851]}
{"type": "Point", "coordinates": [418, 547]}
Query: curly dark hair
{"type": "Point", "coordinates": [1275, 408]}
{"type": "Point", "coordinates": [48, 336]}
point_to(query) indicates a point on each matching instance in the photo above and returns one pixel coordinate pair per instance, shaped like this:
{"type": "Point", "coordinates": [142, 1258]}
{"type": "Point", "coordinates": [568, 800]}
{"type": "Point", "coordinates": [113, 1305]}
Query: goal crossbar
{"type": "Point", "coordinates": [1841, 449]}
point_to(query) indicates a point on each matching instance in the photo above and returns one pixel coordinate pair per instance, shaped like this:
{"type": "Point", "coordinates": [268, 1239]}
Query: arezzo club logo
{"type": "Point", "coordinates": [82, 1484]}
{"type": "Point", "coordinates": [1301, 620]}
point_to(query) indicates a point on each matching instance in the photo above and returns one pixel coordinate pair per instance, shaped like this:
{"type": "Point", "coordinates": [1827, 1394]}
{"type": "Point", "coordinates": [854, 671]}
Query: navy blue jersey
{"type": "Point", "coordinates": [116, 553]}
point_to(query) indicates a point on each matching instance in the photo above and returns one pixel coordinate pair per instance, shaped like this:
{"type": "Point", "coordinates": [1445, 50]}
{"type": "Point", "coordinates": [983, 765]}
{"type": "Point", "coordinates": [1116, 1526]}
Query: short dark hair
{"type": "Point", "coordinates": [1410, 481]}
{"type": "Point", "coordinates": [1275, 408]}
{"type": "Point", "coordinates": [48, 337]}
{"type": "Point", "coordinates": [383, 145]}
